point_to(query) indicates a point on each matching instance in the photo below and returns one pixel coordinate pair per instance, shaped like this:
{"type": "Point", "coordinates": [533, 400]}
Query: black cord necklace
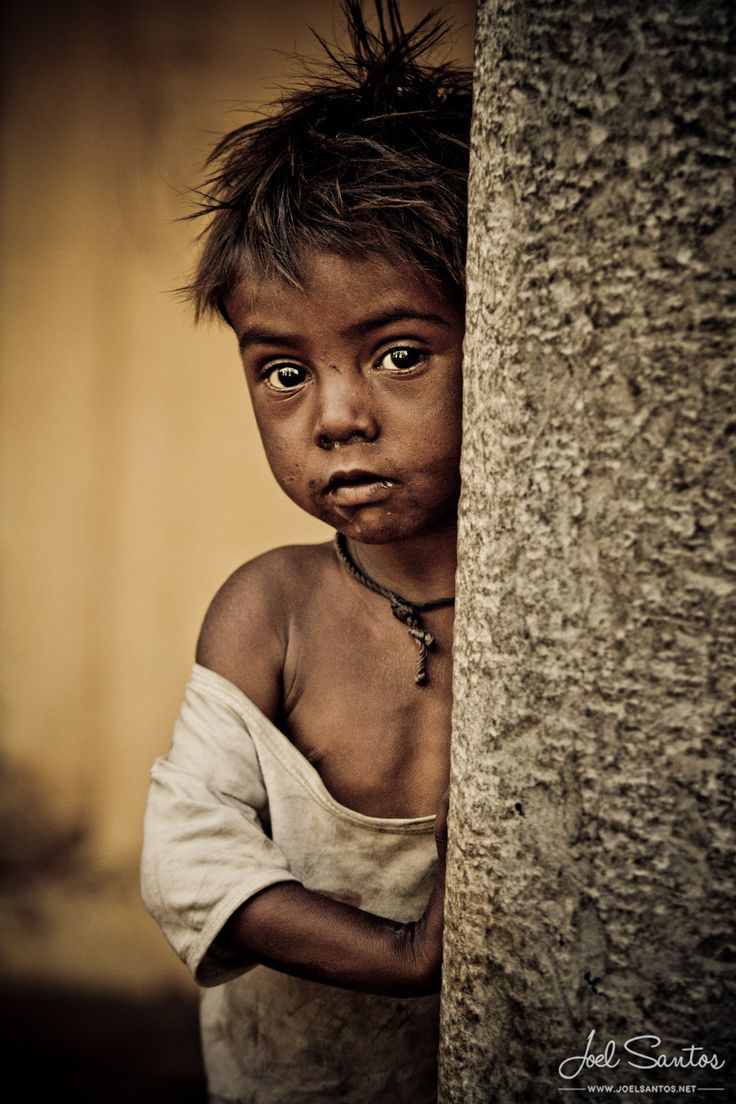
{"type": "Point", "coordinates": [406, 612]}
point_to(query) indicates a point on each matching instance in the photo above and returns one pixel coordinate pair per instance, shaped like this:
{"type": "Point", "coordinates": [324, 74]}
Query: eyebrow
{"type": "Point", "coordinates": [259, 336]}
{"type": "Point", "coordinates": [399, 314]}
{"type": "Point", "coordinates": [265, 337]}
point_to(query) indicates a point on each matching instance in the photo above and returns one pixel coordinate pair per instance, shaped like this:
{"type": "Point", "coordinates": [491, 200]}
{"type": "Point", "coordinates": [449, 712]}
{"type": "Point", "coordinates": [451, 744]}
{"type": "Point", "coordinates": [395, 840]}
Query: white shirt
{"type": "Point", "coordinates": [233, 808]}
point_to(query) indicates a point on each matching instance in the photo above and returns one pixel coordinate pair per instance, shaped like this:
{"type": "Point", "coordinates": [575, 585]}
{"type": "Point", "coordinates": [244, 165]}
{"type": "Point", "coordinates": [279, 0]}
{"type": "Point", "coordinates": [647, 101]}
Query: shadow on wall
{"type": "Point", "coordinates": [62, 1041]}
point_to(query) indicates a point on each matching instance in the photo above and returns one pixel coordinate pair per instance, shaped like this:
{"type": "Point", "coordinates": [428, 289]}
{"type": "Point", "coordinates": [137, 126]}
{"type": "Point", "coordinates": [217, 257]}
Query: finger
{"type": "Point", "coordinates": [442, 809]}
{"type": "Point", "coordinates": [440, 824]}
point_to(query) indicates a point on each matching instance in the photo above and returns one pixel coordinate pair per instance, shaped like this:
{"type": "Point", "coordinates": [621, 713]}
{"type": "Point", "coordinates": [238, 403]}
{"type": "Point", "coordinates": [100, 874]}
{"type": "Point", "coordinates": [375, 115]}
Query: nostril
{"type": "Point", "coordinates": [324, 440]}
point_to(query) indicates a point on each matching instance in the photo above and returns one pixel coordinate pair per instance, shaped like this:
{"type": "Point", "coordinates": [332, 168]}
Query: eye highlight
{"type": "Point", "coordinates": [285, 377]}
{"type": "Point", "coordinates": [401, 358]}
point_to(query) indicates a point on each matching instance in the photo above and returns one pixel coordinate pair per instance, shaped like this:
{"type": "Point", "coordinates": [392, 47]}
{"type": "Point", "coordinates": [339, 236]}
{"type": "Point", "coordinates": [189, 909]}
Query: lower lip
{"type": "Point", "coordinates": [360, 494]}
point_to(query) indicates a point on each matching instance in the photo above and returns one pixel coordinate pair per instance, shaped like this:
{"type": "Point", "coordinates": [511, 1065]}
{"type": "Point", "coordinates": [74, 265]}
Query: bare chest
{"type": "Point", "coordinates": [380, 742]}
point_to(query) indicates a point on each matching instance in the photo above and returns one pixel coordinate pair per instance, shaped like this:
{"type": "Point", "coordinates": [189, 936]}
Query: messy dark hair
{"type": "Point", "coordinates": [370, 153]}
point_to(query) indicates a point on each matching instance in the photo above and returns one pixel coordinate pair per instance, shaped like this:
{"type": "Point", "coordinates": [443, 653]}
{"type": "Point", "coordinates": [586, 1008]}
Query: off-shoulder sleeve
{"type": "Point", "coordinates": [205, 846]}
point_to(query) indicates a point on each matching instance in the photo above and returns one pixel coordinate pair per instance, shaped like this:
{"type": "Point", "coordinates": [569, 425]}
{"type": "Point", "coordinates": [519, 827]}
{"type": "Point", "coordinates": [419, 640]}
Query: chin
{"type": "Point", "coordinates": [367, 528]}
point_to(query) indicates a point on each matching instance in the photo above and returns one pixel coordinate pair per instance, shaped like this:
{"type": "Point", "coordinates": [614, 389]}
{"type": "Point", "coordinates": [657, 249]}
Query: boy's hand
{"type": "Point", "coordinates": [426, 934]}
{"type": "Point", "coordinates": [440, 828]}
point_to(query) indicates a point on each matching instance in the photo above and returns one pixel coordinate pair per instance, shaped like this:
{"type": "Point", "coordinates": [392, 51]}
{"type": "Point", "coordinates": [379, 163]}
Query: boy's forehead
{"type": "Point", "coordinates": [346, 286]}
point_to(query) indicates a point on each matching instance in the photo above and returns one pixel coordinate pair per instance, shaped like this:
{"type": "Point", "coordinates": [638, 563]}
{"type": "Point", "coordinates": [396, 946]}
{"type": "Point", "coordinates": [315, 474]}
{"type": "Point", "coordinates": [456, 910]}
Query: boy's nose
{"type": "Point", "coordinates": [345, 411]}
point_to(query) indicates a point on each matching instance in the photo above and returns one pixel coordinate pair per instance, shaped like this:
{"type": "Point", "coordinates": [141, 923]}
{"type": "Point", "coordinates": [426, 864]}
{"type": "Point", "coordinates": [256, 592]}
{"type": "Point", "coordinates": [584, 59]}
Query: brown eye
{"type": "Point", "coordinates": [285, 377]}
{"type": "Point", "coordinates": [403, 356]}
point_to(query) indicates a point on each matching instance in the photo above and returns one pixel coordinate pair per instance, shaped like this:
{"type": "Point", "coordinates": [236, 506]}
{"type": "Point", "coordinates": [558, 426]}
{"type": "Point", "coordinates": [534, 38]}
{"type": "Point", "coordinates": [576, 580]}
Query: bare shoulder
{"type": "Point", "coordinates": [245, 632]}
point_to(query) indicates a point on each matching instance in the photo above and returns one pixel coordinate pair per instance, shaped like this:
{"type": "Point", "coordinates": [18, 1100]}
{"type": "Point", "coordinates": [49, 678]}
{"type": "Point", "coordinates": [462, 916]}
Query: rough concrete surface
{"type": "Point", "coordinates": [591, 873]}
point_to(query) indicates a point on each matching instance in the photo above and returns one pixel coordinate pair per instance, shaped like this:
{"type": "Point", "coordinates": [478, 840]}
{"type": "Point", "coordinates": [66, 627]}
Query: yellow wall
{"type": "Point", "coordinates": [133, 481]}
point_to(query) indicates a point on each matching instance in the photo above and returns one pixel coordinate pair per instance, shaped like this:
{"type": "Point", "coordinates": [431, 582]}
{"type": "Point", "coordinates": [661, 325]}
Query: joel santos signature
{"type": "Point", "coordinates": [641, 1052]}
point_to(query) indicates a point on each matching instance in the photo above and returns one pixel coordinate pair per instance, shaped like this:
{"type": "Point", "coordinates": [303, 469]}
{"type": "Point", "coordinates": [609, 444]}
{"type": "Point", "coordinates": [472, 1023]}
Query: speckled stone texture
{"type": "Point", "coordinates": [591, 864]}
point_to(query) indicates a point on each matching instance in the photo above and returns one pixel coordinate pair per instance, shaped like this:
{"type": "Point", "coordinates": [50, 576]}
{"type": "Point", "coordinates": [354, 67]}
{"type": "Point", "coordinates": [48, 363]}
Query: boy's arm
{"type": "Point", "coordinates": [285, 926]}
{"type": "Point", "coordinates": [292, 929]}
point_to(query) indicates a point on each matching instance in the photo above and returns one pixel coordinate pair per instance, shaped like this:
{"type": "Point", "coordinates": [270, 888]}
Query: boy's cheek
{"type": "Point", "coordinates": [279, 441]}
{"type": "Point", "coordinates": [287, 471]}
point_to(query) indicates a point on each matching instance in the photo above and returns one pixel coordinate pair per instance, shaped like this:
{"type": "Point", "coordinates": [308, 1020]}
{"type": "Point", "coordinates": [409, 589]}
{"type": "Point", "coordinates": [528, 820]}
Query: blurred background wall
{"type": "Point", "coordinates": [132, 485]}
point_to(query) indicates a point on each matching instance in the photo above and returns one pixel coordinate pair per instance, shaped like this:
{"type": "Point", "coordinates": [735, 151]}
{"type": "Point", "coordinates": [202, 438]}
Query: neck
{"type": "Point", "coordinates": [420, 569]}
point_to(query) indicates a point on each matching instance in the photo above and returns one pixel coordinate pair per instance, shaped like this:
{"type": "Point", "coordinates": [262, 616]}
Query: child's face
{"type": "Point", "coordinates": [356, 386]}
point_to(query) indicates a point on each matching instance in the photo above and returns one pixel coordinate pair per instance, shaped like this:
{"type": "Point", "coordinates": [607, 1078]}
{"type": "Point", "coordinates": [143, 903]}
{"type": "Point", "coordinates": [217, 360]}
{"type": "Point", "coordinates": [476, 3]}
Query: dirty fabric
{"type": "Point", "coordinates": [233, 808]}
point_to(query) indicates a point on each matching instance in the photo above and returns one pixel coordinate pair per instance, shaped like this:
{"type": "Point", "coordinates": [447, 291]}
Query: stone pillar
{"type": "Point", "coordinates": [591, 863]}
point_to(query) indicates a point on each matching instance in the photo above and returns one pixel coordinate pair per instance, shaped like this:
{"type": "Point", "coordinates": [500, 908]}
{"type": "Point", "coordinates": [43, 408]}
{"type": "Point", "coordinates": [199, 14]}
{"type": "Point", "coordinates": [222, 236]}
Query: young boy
{"type": "Point", "coordinates": [292, 827]}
